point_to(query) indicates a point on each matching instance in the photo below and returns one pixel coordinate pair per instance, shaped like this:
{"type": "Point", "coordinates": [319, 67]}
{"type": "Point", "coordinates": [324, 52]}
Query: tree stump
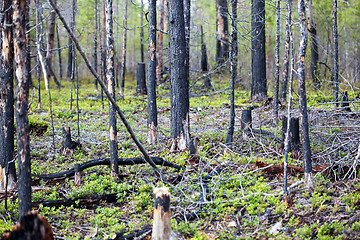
{"type": "Point", "coordinates": [294, 134]}
{"type": "Point", "coordinates": [68, 145]}
{"type": "Point", "coordinates": [140, 77]}
{"type": "Point", "coordinates": [246, 120]}
{"type": "Point", "coordinates": [345, 102]}
{"type": "Point", "coordinates": [161, 224]}
{"type": "Point", "coordinates": [77, 179]}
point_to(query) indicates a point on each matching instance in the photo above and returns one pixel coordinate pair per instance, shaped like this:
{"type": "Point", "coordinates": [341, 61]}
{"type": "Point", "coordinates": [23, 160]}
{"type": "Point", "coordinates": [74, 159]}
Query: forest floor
{"type": "Point", "coordinates": [220, 193]}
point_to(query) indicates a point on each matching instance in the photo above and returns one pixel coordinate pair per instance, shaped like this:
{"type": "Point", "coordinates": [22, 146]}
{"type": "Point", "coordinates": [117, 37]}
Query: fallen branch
{"type": "Point", "coordinates": [105, 161]}
{"type": "Point", "coordinates": [106, 91]}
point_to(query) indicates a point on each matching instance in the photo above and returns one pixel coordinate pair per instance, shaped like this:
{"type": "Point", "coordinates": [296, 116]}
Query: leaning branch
{"type": "Point", "coordinates": [111, 99]}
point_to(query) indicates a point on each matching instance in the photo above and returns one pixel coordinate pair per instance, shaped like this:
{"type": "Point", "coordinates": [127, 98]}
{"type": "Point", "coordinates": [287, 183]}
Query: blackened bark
{"type": "Point", "coordinates": [142, 32]}
{"type": "Point", "coordinates": [179, 83]}
{"type": "Point", "coordinates": [336, 56]}
{"type": "Point", "coordinates": [302, 96]}
{"type": "Point", "coordinates": [233, 70]}
{"type": "Point", "coordinates": [277, 65]}
{"type": "Point", "coordinates": [345, 102]}
{"type": "Point", "coordinates": [7, 166]}
{"type": "Point", "coordinates": [71, 54]}
{"type": "Point", "coordinates": [258, 60]}
{"type": "Point", "coordinates": [159, 56]}
{"type": "Point", "coordinates": [187, 36]}
{"type": "Point", "coordinates": [123, 62]}
{"type": "Point", "coordinates": [204, 62]}
{"type": "Point", "coordinates": [294, 137]}
{"type": "Point", "coordinates": [286, 54]}
{"type": "Point", "coordinates": [246, 120]}
{"type": "Point", "coordinates": [59, 52]}
{"type": "Point", "coordinates": [110, 77]}
{"type": "Point", "coordinates": [21, 106]}
{"type": "Point", "coordinates": [103, 50]}
{"type": "Point", "coordinates": [95, 40]}
{"type": "Point", "coordinates": [140, 78]}
{"type": "Point", "coordinates": [27, 33]}
{"type": "Point", "coordinates": [151, 76]}
{"type": "Point", "coordinates": [313, 43]}
{"type": "Point", "coordinates": [222, 31]}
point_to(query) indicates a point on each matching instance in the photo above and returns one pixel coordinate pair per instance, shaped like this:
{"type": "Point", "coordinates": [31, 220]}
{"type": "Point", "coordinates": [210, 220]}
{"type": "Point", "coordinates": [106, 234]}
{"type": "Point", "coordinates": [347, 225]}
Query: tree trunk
{"type": "Point", "coordinates": [294, 137]}
{"type": "Point", "coordinates": [59, 52]}
{"type": "Point", "coordinates": [204, 62]}
{"type": "Point", "coordinates": [159, 57]}
{"type": "Point", "coordinates": [123, 62]}
{"type": "Point", "coordinates": [314, 42]}
{"type": "Point", "coordinates": [140, 78]}
{"type": "Point", "coordinates": [222, 31]}
{"type": "Point", "coordinates": [7, 166]}
{"type": "Point", "coordinates": [277, 65]}
{"type": "Point", "coordinates": [336, 56]}
{"type": "Point", "coordinates": [110, 77]}
{"type": "Point", "coordinates": [345, 102]}
{"type": "Point", "coordinates": [151, 75]}
{"type": "Point", "coordinates": [95, 40]}
{"type": "Point", "coordinates": [286, 55]}
{"type": "Point", "coordinates": [71, 54]}
{"type": "Point", "coordinates": [21, 106]}
{"type": "Point", "coordinates": [161, 224]}
{"type": "Point", "coordinates": [233, 70]}
{"type": "Point", "coordinates": [142, 32]}
{"type": "Point", "coordinates": [187, 36]}
{"type": "Point", "coordinates": [302, 96]}
{"type": "Point", "coordinates": [258, 60]}
{"type": "Point", "coordinates": [179, 83]}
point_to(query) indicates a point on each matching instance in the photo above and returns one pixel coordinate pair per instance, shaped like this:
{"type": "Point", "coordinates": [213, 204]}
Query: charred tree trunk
{"type": "Point", "coordinates": [286, 54]}
{"type": "Point", "coordinates": [50, 47]}
{"type": "Point", "coordinates": [140, 78]}
{"type": "Point", "coordinates": [179, 83]}
{"type": "Point", "coordinates": [59, 52]}
{"type": "Point", "coordinates": [294, 137]}
{"type": "Point", "coordinates": [204, 62]}
{"type": "Point", "coordinates": [95, 41]}
{"type": "Point", "coordinates": [21, 106]}
{"type": "Point", "coordinates": [258, 60]}
{"type": "Point", "coordinates": [123, 62]}
{"type": "Point", "coordinates": [142, 32]}
{"type": "Point", "coordinates": [313, 42]}
{"type": "Point", "coordinates": [159, 56]}
{"type": "Point", "coordinates": [336, 56]}
{"type": "Point", "coordinates": [302, 96]}
{"type": "Point", "coordinates": [103, 50]}
{"type": "Point", "coordinates": [277, 64]}
{"type": "Point", "coordinates": [151, 75]}
{"type": "Point", "coordinates": [110, 77]}
{"type": "Point", "coordinates": [187, 36]}
{"type": "Point", "coordinates": [345, 102]}
{"type": "Point", "coordinates": [27, 33]}
{"type": "Point", "coordinates": [71, 54]}
{"type": "Point", "coordinates": [233, 70]}
{"type": "Point", "coordinates": [246, 120]}
{"type": "Point", "coordinates": [222, 31]}
{"type": "Point", "coordinates": [161, 225]}
{"type": "Point", "coordinates": [7, 166]}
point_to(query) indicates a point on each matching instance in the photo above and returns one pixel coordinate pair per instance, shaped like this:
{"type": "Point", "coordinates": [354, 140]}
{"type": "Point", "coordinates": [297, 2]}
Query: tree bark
{"type": "Point", "coordinates": [59, 52]}
{"type": "Point", "coordinates": [110, 77]}
{"type": "Point", "coordinates": [302, 97]}
{"type": "Point", "coordinates": [277, 64]}
{"type": "Point", "coordinates": [123, 62]}
{"type": "Point", "coordinates": [142, 32]}
{"type": "Point", "coordinates": [286, 54]}
{"type": "Point", "coordinates": [140, 78]}
{"type": "Point", "coordinates": [95, 41]}
{"type": "Point", "coordinates": [313, 42]}
{"type": "Point", "coordinates": [7, 166]}
{"type": "Point", "coordinates": [336, 55]}
{"type": "Point", "coordinates": [233, 70]}
{"type": "Point", "coordinates": [152, 122]}
{"type": "Point", "coordinates": [159, 56]}
{"type": "Point", "coordinates": [179, 83]}
{"type": "Point", "coordinates": [187, 36]}
{"type": "Point", "coordinates": [204, 62]}
{"type": "Point", "coordinates": [222, 31]}
{"type": "Point", "coordinates": [258, 60]}
{"type": "Point", "coordinates": [21, 106]}
{"type": "Point", "coordinates": [161, 224]}
{"type": "Point", "coordinates": [71, 54]}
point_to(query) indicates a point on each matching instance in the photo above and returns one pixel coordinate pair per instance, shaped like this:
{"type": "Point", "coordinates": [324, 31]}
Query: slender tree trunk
{"type": "Point", "coordinates": [116, 64]}
{"type": "Point", "coordinates": [233, 70]}
{"type": "Point", "coordinates": [179, 83]}
{"type": "Point", "coordinates": [103, 50]}
{"type": "Point", "coordinates": [222, 31]}
{"type": "Point", "coordinates": [286, 55]}
{"type": "Point", "coordinates": [7, 166]}
{"type": "Point", "coordinates": [110, 77]}
{"type": "Point", "coordinates": [151, 74]}
{"type": "Point", "coordinates": [187, 36]}
{"type": "Point", "coordinates": [302, 96]}
{"type": "Point", "coordinates": [95, 41]}
{"type": "Point", "coordinates": [159, 57]}
{"type": "Point", "coordinates": [277, 64]}
{"type": "Point", "coordinates": [70, 70]}
{"type": "Point", "coordinates": [142, 31]}
{"type": "Point", "coordinates": [258, 60]}
{"type": "Point", "coordinates": [123, 62]}
{"type": "Point", "coordinates": [336, 56]}
{"type": "Point", "coordinates": [313, 42]}
{"type": "Point", "coordinates": [27, 33]}
{"type": "Point", "coordinates": [204, 61]}
{"type": "Point", "coordinates": [59, 52]}
{"type": "Point", "coordinates": [21, 106]}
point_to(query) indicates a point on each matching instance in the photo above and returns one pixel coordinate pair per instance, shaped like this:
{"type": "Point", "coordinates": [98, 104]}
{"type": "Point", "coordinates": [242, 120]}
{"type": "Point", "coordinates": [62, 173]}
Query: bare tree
{"type": "Point", "coordinates": [95, 40]}
{"type": "Point", "coordinates": [336, 55]}
{"type": "Point", "coordinates": [302, 96]}
{"type": "Point", "coordinates": [123, 62]}
{"type": "Point", "coordinates": [21, 105]}
{"type": "Point", "coordinates": [277, 64]}
{"type": "Point", "coordinates": [71, 54]}
{"type": "Point", "coordinates": [159, 57]}
{"type": "Point", "coordinates": [222, 31]}
{"type": "Point", "coordinates": [286, 56]}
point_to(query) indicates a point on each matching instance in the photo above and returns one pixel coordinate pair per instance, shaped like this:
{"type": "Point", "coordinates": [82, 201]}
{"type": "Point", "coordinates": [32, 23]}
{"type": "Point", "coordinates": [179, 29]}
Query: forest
{"type": "Point", "coordinates": [179, 119]}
